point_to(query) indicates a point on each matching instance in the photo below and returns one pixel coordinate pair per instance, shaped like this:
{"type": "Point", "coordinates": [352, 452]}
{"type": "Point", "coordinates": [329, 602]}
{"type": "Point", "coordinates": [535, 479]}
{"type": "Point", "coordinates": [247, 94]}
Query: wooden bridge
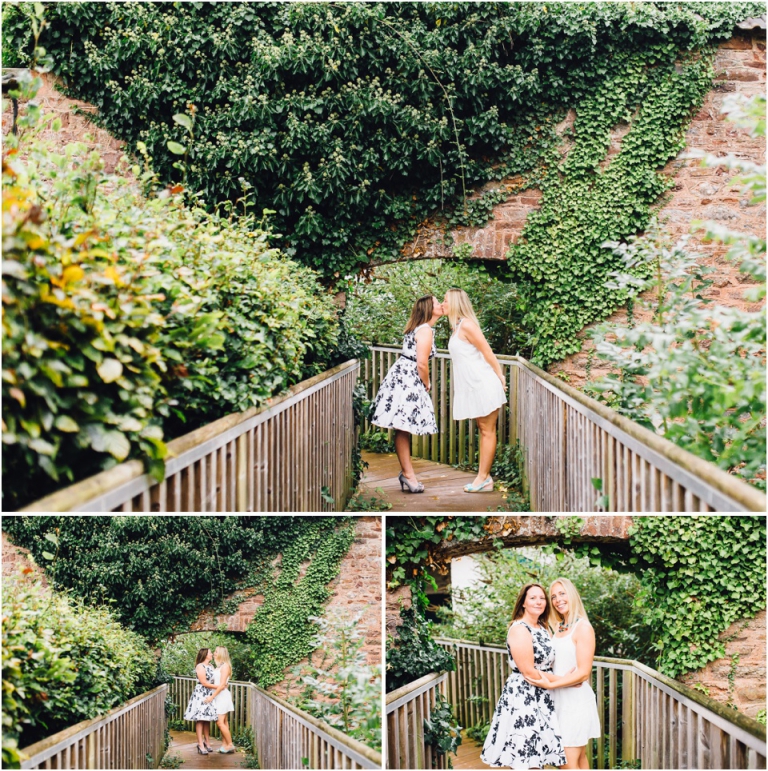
{"type": "Point", "coordinates": [131, 736]}
{"type": "Point", "coordinates": [295, 454]}
{"type": "Point", "coordinates": [644, 715]}
{"type": "Point", "coordinates": [569, 440]}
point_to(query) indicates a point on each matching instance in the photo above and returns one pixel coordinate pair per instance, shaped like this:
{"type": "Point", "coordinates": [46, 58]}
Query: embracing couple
{"type": "Point", "coordinates": [211, 699]}
{"type": "Point", "coordinates": [547, 711]}
{"type": "Point", "coordinates": [404, 404]}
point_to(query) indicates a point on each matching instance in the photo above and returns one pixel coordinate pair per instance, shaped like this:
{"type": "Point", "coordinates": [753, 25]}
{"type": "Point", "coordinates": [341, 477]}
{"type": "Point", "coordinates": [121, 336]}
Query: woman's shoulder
{"type": "Point", "coordinates": [582, 628]}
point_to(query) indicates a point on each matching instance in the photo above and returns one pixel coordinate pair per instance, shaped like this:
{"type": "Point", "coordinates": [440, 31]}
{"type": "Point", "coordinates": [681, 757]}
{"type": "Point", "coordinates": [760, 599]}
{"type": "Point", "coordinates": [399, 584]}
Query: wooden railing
{"type": "Point", "coordinates": [129, 736]}
{"type": "Point", "coordinates": [568, 440]}
{"type": "Point", "coordinates": [285, 737]}
{"type": "Point", "coordinates": [407, 708]}
{"type": "Point", "coordinates": [291, 455]}
{"type": "Point", "coordinates": [644, 715]}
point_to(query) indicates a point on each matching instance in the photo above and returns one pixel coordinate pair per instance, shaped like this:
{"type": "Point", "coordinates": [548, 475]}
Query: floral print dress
{"type": "Point", "coordinates": [524, 729]}
{"type": "Point", "coordinates": [403, 402]}
{"type": "Point", "coordinates": [197, 709]}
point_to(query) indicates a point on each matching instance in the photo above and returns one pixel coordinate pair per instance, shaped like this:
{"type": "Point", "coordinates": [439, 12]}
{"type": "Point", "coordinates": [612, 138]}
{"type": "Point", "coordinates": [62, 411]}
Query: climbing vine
{"type": "Point", "coordinates": [159, 573]}
{"type": "Point", "coordinates": [356, 122]}
{"type": "Point", "coordinates": [699, 573]}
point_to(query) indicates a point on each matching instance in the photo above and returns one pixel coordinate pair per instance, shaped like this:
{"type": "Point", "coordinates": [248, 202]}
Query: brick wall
{"type": "Point", "coordinates": [15, 559]}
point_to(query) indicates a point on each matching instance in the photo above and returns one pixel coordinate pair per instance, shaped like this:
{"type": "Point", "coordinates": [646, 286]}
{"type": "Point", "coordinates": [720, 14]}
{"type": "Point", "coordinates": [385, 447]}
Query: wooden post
{"type": "Point", "coordinates": [627, 715]}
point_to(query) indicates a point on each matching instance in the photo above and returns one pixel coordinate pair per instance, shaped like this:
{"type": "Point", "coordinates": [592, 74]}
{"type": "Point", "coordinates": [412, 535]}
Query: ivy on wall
{"type": "Point", "coordinates": [357, 121]}
{"type": "Point", "coordinates": [159, 573]}
{"type": "Point", "coordinates": [699, 573]}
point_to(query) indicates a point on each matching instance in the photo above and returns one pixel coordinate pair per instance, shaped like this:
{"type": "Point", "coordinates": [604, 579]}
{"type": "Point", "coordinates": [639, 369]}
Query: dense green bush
{"type": "Point", "coordinates": [131, 319]}
{"type": "Point", "coordinates": [178, 654]}
{"type": "Point", "coordinates": [356, 121]}
{"type": "Point", "coordinates": [63, 662]}
{"type": "Point", "coordinates": [483, 612]}
{"type": "Point", "coordinates": [379, 307]}
{"type": "Point", "coordinates": [414, 654]}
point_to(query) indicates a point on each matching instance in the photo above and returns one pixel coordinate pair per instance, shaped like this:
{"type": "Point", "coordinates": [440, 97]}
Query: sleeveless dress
{"type": "Point", "coordinates": [576, 707]}
{"type": "Point", "coordinates": [197, 709]}
{"type": "Point", "coordinates": [524, 730]}
{"type": "Point", "coordinates": [402, 401]}
{"type": "Point", "coordinates": [223, 701]}
{"type": "Point", "coordinates": [477, 390]}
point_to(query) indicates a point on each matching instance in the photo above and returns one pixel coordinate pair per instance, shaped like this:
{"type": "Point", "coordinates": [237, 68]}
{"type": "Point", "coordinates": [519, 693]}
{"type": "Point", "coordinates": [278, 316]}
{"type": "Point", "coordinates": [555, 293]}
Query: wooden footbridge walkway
{"type": "Point", "coordinates": [132, 736]}
{"type": "Point", "coordinates": [295, 454]}
{"type": "Point", "coordinates": [645, 717]}
{"type": "Point", "coordinates": [443, 486]}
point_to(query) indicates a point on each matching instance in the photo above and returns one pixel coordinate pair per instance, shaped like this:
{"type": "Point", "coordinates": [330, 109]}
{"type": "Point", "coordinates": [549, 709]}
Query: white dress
{"type": "Point", "coordinates": [576, 707]}
{"type": "Point", "coordinates": [223, 701]}
{"type": "Point", "coordinates": [477, 390]}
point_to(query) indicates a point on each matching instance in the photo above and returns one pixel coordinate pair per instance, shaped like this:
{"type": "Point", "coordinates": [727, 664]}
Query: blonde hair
{"type": "Point", "coordinates": [575, 605]}
{"type": "Point", "coordinates": [459, 307]}
{"type": "Point", "coordinates": [221, 654]}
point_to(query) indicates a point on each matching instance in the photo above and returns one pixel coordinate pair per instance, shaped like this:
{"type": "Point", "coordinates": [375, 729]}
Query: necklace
{"type": "Point", "coordinates": [563, 627]}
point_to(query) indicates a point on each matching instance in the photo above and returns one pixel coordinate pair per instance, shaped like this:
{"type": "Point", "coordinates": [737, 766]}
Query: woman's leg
{"type": "Point", "coordinates": [403, 450]}
{"type": "Point", "coordinates": [226, 736]}
{"type": "Point", "coordinates": [487, 428]}
{"type": "Point", "coordinates": [199, 731]}
{"type": "Point", "coordinates": [207, 731]}
{"type": "Point", "coordinates": [575, 757]}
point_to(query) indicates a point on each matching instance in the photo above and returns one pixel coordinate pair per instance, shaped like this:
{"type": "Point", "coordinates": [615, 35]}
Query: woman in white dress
{"type": "Point", "coordinates": [478, 383]}
{"type": "Point", "coordinates": [403, 401]}
{"type": "Point", "coordinates": [221, 698]}
{"type": "Point", "coordinates": [574, 644]}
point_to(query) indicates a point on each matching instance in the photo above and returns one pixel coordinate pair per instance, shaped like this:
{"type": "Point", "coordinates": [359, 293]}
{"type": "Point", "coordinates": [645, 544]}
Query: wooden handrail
{"type": "Point", "coordinates": [706, 733]}
{"type": "Point", "coordinates": [582, 440]}
{"type": "Point", "coordinates": [229, 465]}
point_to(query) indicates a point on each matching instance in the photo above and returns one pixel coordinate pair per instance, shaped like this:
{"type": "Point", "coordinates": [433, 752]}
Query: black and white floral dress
{"type": "Point", "coordinates": [403, 402]}
{"type": "Point", "coordinates": [524, 730]}
{"type": "Point", "coordinates": [197, 709]}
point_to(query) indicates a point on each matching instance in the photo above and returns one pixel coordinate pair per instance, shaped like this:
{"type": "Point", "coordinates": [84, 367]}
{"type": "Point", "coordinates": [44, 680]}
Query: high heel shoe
{"type": "Point", "coordinates": [201, 752]}
{"type": "Point", "coordinates": [418, 488]}
{"type": "Point", "coordinates": [207, 746]}
{"type": "Point", "coordinates": [485, 487]}
{"type": "Point", "coordinates": [226, 752]}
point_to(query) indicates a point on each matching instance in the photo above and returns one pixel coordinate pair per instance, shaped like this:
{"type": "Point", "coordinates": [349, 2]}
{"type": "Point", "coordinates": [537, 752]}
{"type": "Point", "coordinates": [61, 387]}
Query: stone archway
{"type": "Point", "coordinates": [739, 677]}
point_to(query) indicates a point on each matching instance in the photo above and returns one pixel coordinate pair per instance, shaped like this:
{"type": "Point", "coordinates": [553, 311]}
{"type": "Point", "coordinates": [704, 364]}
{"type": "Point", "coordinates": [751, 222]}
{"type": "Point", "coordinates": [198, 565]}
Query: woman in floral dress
{"type": "Point", "coordinates": [524, 729]}
{"type": "Point", "coordinates": [403, 401]}
{"type": "Point", "coordinates": [198, 709]}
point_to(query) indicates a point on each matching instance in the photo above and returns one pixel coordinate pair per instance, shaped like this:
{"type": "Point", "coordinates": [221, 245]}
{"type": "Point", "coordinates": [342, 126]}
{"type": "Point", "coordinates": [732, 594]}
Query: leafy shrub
{"type": "Point", "coordinates": [414, 654]}
{"type": "Point", "coordinates": [63, 662]}
{"type": "Point", "coordinates": [356, 121]}
{"type": "Point", "coordinates": [610, 598]}
{"type": "Point", "coordinates": [441, 731]}
{"type": "Point", "coordinates": [695, 373]}
{"type": "Point", "coordinates": [130, 319]}
{"type": "Point", "coordinates": [178, 654]}
{"type": "Point", "coordinates": [339, 686]}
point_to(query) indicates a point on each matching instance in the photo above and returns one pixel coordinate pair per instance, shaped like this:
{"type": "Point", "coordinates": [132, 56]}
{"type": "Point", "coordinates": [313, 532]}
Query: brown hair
{"type": "Point", "coordinates": [518, 611]}
{"type": "Point", "coordinates": [201, 654]}
{"type": "Point", "coordinates": [422, 312]}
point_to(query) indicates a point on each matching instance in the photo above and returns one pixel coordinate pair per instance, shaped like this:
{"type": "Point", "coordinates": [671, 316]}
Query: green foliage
{"type": "Point", "coordinates": [478, 732]}
{"type": "Point", "coordinates": [63, 662]}
{"type": "Point", "coordinates": [414, 653]}
{"type": "Point", "coordinates": [282, 631]}
{"type": "Point", "coordinates": [695, 373]}
{"type": "Point", "coordinates": [701, 575]}
{"type": "Point", "coordinates": [357, 121]}
{"type": "Point", "coordinates": [441, 731]}
{"type": "Point", "coordinates": [339, 686]}
{"type": "Point", "coordinates": [374, 440]}
{"type": "Point", "coordinates": [161, 572]}
{"type": "Point", "coordinates": [171, 760]}
{"type": "Point", "coordinates": [178, 655]}
{"type": "Point", "coordinates": [760, 717]}
{"type": "Point", "coordinates": [610, 599]}
{"type": "Point", "coordinates": [380, 304]}
{"type": "Point", "coordinates": [360, 502]}
{"type": "Point", "coordinates": [129, 319]}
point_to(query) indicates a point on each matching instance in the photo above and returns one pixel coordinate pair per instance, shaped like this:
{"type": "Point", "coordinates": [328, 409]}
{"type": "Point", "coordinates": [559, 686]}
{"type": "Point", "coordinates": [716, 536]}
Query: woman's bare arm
{"type": "Point", "coordinates": [200, 672]}
{"type": "Point", "coordinates": [521, 645]}
{"type": "Point", "coordinates": [473, 334]}
{"type": "Point", "coordinates": [423, 349]}
{"type": "Point", "coordinates": [226, 670]}
{"type": "Point", "coordinates": [584, 640]}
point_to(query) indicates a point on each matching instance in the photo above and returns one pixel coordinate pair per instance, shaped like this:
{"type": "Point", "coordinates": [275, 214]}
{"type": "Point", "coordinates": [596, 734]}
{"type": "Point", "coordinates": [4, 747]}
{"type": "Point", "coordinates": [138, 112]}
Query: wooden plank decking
{"type": "Point", "coordinates": [184, 743]}
{"type": "Point", "coordinates": [468, 756]}
{"type": "Point", "coordinates": [443, 486]}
